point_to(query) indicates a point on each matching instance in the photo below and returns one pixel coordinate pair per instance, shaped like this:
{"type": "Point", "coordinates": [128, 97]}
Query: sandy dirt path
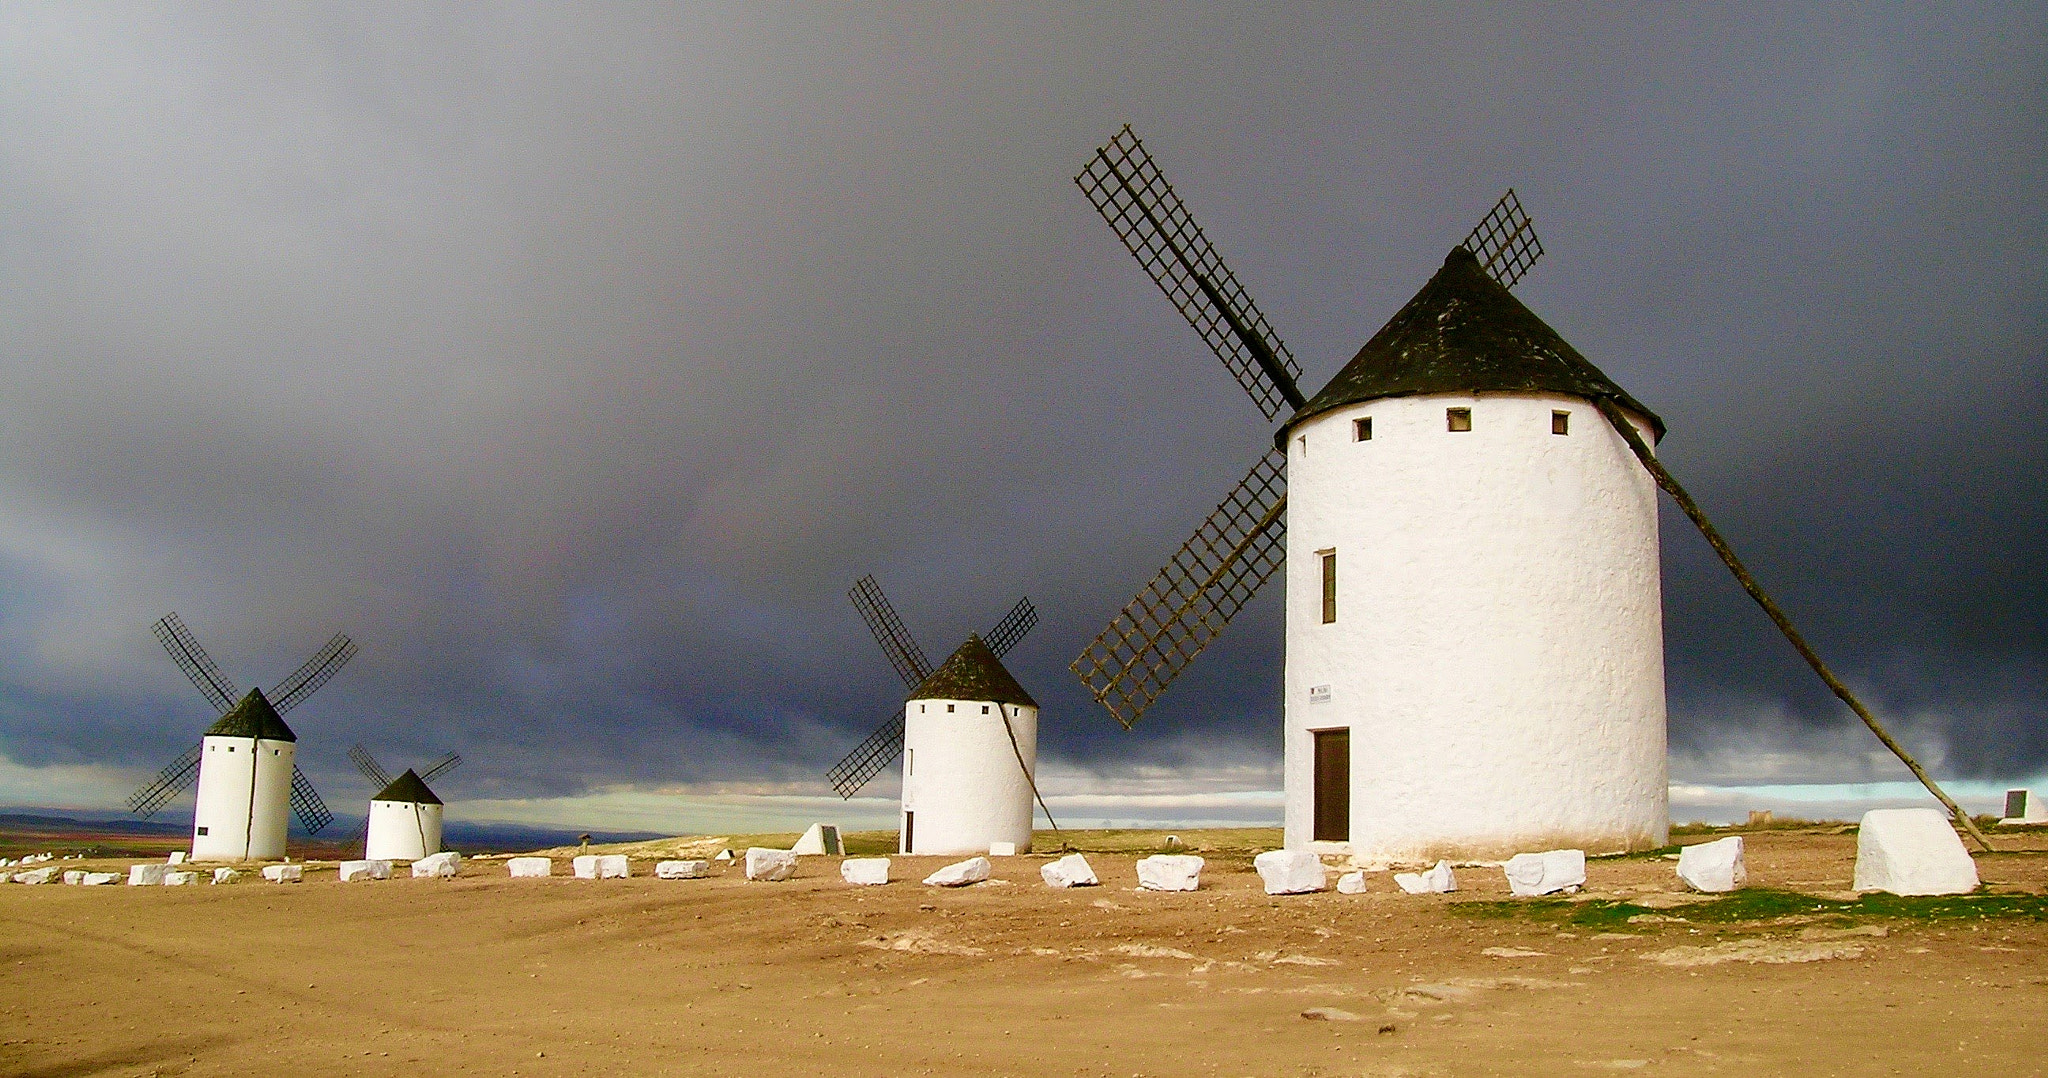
{"type": "Point", "coordinates": [488, 975]}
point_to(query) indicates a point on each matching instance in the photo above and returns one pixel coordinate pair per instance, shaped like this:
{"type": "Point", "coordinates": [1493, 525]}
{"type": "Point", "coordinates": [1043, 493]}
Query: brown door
{"type": "Point", "coordinates": [1333, 786]}
{"type": "Point", "coordinates": [909, 832]}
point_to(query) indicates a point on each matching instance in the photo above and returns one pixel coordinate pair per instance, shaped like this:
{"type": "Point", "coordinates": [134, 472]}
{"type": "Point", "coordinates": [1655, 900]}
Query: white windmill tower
{"type": "Point", "coordinates": [405, 816]}
{"type": "Point", "coordinates": [968, 735]}
{"type": "Point", "coordinates": [245, 763]}
{"type": "Point", "coordinates": [1474, 628]}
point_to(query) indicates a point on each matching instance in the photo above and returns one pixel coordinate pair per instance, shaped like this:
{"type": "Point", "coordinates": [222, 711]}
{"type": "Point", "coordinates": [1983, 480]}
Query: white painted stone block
{"type": "Point", "coordinates": [585, 866]}
{"type": "Point", "coordinates": [284, 873]}
{"type": "Point", "coordinates": [820, 839]}
{"type": "Point", "coordinates": [960, 873]}
{"type": "Point", "coordinates": [1912, 852]}
{"type": "Point", "coordinates": [1002, 849]}
{"type": "Point", "coordinates": [100, 879]}
{"type": "Point", "coordinates": [865, 871]}
{"type": "Point", "coordinates": [177, 858]}
{"type": "Point", "coordinates": [146, 875]}
{"type": "Point", "coordinates": [682, 870]}
{"type": "Point", "coordinates": [769, 865]}
{"type": "Point", "coordinates": [1713, 866]}
{"type": "Point", "coordinates": [36, 876]}
{"type": "Point", "coordinates": [1290, 872]}
{"type": "Point", "coordinates": [180, 879]}
{"type": "Point", "coordinates": [1072, 870]}
{"type": "Point", "coordinates": [225, 875]}
{"type": "Point", "coordinates": [1351, 883]}
{"type": "Point", "coordinates": [442, 865]}
{"type": "Point", "coordinates": [614, 866]}
{"type": "Point", "coordinates": [530, 867]}
{"type": "Point", "coordinates": [1545, 873]}
{"type": "Point", "coordinates": [1439, 879]}
{"type": "Point", "coordinates": [1170, 872]}
{"type": "Point", "coordinates": [351, 871]}
{"type": "Point", "coordinates": [75, 877]}
{"type": "Point", "coordinates": [723, 855]}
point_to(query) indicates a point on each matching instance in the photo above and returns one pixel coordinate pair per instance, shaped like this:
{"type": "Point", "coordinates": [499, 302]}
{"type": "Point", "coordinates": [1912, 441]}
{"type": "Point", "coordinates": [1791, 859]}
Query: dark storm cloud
{"type": "Point", "coordinates": [576, 363]}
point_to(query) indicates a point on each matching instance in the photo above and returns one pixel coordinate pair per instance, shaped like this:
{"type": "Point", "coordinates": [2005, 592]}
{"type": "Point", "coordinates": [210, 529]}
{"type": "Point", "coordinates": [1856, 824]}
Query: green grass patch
{"type": "Point", "coordinates": [1765, 904]}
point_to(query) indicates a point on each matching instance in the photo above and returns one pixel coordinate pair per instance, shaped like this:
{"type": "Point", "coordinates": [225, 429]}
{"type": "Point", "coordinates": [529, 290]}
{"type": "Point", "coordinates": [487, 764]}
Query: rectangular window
{"type": "Point", "coordinates": [1458, 419]}
{"type": "Point", "coordinates": [984, 709]}
{"type": "Point", "coordinates": [1361, 429]}
{"type": "Point", "coordinates": [1560, 422]}
{"type": "Point", "coordinates": [1329, 559]}
{"type": "Point", "coordinates": [949, 709]}
{"type": "Point", "coordinates": [202, 830]}
{"type": "Point", "coordinates": [909, 761]}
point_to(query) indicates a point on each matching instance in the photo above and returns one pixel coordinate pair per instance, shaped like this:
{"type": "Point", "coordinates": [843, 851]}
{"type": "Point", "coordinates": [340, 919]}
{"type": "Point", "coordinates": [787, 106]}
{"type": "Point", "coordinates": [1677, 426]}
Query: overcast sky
{"type": "Point", "coordinates": [575, 362]}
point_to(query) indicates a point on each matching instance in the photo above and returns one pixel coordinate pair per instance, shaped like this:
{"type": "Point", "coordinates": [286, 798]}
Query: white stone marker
{"type": "Point", "coordinates": [1351, 883]}
{"type": "Point", "coordinates": [100, 879]}
{"type": "Point", "coordinates": [1713, 866]}
{"type": "Point", "coordinates": [177, 858]}
{"type": "Point", "coordinates": [1170, 872]}
{"type": "Point", "coordinates": [865, 871]}
{"type": "Point", "coordinates": [180, 879]}
{"type": "Point", "coordinates": [1439, 879]}
{"type": "Point", "coordinates": [1545, 873]}
{"type": "Point", "coordinates": [530, 867]}
{"type": "Point", "coordinates": [769, 865]}
{"type": "Point", "coordinates": [1291, 872]}
{"type": "Point", "coordinates": [960, 873]}
{"type": "Point", "coordinates": [1912, 852]}
{"type": "Point", "coordinates": [584, 867]}
{"type": "Point", "coordinates": [38, 875]}
{"type": "Point", "coordinates": [820, 840]}
{"type": "Point", "coordinates": [723, 855]}
{"type": "Point", "coordinates": [225, 875]}
{"type": "Point", "coordinates": [614, 866]}
{"type": "Point", "coordinates": [75, 877]}
{"type": "Point", "coordinates": [682, 870]}
{"type": "Point", "coordinates": [352, 871]}
{"type": "Point", "coordinates": [146, 875]}
{"type": "Point", "coordinates": [441, 865]}
{"type": "Point", "coordinates": [1072, 870]}
{"type": "Point", "coordinates": [284, 873]}
{"type": "Point", "coordinates": [1002, 849]}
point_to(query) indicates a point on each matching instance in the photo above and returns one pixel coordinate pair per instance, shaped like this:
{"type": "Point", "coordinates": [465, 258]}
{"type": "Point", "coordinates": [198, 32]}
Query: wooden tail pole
{"type": "Point", "coordinates": [1664, 479]}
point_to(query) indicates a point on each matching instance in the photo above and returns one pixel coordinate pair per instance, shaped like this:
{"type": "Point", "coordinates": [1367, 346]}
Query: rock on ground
{"type": "Point", "coordinates": [352, 871]}
{"type": "Point", "coordinates": [1351, 883]}
{"type": "Point", "coordinates": [529, 867]}
{"type": "Point", "coordinates": [1170, 872]}
{"type": "Point", "coordinates": [284, 873]}
{"type": "Point", "coordinates": [36, 875]}
{"type": "Point", "coordinates": [225, 875]}
{"type": "Point", "coordinates": [682, 870]}
{"type": "Point", "coordinates": [820, 840]}
{"type": "Point", "coordinates": [1713, 866]}
{"type": "Point", "coordinates": [146, 875]}
{"type": "Point", "coordinates": [441, 865]}
{"type": "Point", "coordinates": [960, 873]}
{"type": "Point", "coordinates": [1290, 872]}
{"type": "Point", "coordinates": [1072, 870]}
{"type": "Point", "coordinates": [1545, 873]}
{"type": "Point", "coordinates": [100, 879]}
{"type": "Point", "coordinates": [1439, 879]}
{"type": "Point", "coordinates": [1912, 852]}
{"type": "Point", "coordinates": [769, 865]}
{"type": "Point", "coordinates": [865, 871]}
{"type": "Point", "coordinates": [180, 879]}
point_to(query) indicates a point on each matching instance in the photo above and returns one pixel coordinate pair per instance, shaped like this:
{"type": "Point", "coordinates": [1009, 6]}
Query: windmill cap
{"type": "Point", "coordinates": [1465, 333]}
{"type": "Point", "coordinates": [253, 717]}
{"type": "Point", "coordinates": [973, 673]}
{"type": "Point", "coordinates": [407, 787]}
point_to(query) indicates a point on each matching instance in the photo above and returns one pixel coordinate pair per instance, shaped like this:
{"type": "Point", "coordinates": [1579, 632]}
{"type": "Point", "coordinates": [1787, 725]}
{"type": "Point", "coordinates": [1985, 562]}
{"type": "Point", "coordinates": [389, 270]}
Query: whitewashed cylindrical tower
{"type": "Point", "coordinates": [970, 747]}
{"type": "Point", "coordinates": [245, 784]}
{"type": "Point", "coordinates": [405, 821]}
{"type": "Point", "coordinates": [1475, 654]}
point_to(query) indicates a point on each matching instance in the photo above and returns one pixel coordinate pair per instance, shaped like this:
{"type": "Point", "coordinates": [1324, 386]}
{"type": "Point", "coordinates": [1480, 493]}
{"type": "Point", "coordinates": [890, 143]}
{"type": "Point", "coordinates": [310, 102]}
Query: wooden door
{"type": "Point", "coordinates": [909, 830]}
{"type": "Point", "coordinates": [1333, 786]}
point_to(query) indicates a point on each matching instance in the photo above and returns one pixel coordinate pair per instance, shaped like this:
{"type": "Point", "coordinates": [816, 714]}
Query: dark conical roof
{"type": "Point", "coordinates": [1465, 333]}
{"type": "Point", "coordinates": [253, 717]}
{"type": "Point", "coordinates": [973, 673]}
{"type": "Point", "coordinates": [407, 787]}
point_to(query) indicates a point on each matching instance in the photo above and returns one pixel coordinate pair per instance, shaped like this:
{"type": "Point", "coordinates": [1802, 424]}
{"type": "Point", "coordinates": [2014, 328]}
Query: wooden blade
{"type": "Point", "coordinates": [1012, 628]}
{"type": "Point", "coordinates": [440, 767]}
{"type": "Point", "coordinates": [306, 804]}
{"type": "Point", "coordinates": [367, 764]}
{"type": "Point", "coordinates": [895, 640]}
{"type": "Point", "coordinates": [293, 690]}
{"type": "Point", "coordinates": [1211, 577]}
{"type": "Point", "coordinates": [192, 659]}
{"type": "Point", "coordinates": [169, 783]}
{"type": "Point", "coordinates": [877, 751]}
{"type": "Point", "coordinates": [1505, 241]}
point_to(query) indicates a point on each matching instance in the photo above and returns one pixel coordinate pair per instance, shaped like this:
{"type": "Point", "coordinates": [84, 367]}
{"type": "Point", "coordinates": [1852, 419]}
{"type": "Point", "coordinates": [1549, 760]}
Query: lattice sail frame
{"type": "Point", "coordinates": [876, 752]}
{"type": "Point", "coordinates": [306, 804]}
{"type": "Point", "coordinates": [217, 687]}
{"type": "Point", "coordinates": [448, 762]}
{"type": "Point", "coordinates": [1505, 241]}
{"type": "Point", "coordinates": [1012, 628]}
{"type": "Point", "coordinates": [895, 640]}
{"type": "Point", "coordinates": [169, 783]}
{"type": "Point", "coordinates": [1188, 603]}
{"type": "Point", "coordinates": [1131, 193]}
{"type": "Point", "coordinates": [292, 691]}
{"type": "Point", "coordinates": [367, 764]}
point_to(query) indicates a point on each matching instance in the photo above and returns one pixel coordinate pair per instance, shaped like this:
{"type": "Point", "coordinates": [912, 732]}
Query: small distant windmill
{"type": "Point", "coordinates": [968, 735]}
{"type": "Point", "coordinates": [241, 811]}
{"type": "Point", "coordinates": [405, 816]}
{"type": "Point", "coordinates": [1497, 674]}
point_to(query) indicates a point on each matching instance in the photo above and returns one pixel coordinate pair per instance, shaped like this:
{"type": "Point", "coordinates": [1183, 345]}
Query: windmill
{"type": "Point", "coordinates": [241, 810]}
{"type": "Point", "coordinates": [968, 735]}
{"type": "Point", "coordinates": [405, 817]}
{"type": "Point", "coordinates": [1495, 681]}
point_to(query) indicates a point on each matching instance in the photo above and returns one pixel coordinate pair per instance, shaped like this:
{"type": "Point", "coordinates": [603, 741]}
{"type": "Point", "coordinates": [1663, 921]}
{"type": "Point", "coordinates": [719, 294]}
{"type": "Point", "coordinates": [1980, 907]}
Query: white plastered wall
{"type": "Point", "coordinates": [1498, 652]}
{"type": "Point", "coordinates": [961, 776]}
{"type": "Point", "coordinates": [402, 831]}
{"type": "Point", "coordinates": [244, 799]}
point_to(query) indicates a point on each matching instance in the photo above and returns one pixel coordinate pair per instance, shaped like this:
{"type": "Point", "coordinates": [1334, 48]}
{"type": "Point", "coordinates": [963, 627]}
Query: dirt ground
{"type": "Point", "coordinates": [488, 975]}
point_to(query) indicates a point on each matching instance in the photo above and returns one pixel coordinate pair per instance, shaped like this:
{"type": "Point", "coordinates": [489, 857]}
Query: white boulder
{"type": "Point", "coordinates": [441, 865]}
{"type": "Point", "coordinates": [75, 877]}
{"type": "Point", "coordinates": [177, 858]}
{"type": "Point", "coordinates": [225, 875]}
{"type": "Point", "coordinates": [602, 866]}
{"type": "Point", "coordinates": [1439, 879]}
{"type": "Point", "coordinates": [1170, 872]}
{"type": "Point", "coordinates": [1912, 852]}
{"type": "Point", "coordinates": [530, 867]}
{"type": "Point", "coordinates": [284, 873]}
{"type": "Point", "coordinates": [99, 879]}
{"type": "Point", "coordinates": [352, 871]}
{"type": "Point", "coordinates": [723, 855]}
{"type": "Point", "coordinates": [1002, 849]}
{"type": "Point", "coordinates": [180, 879]}
{"type": "Point", "coordinates": [960, 873]}
{"type": "Point", "coordinates": [1351, 883]}
{"type": "Point", "coordinates": [865, 871]}
{"type": "Point", "coordinates": [820, 840]}
{"type": "Point", "coordinates": [1072, 870]}
{"type": "Point", "coordinates": [1713, 866]}
{"type": "Point", "coordinates": [769, 865]}
{"type": "Point", "coordinates": [1545, 873]}
{"type": "Point", "coordinates": [36, 875]}
{"type": "Point", "coordinates": [1291, 872]}
{"type": "Point", "coordinates": [146, 875]}
{"type": "Point", "coordinates": [682, 870]}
